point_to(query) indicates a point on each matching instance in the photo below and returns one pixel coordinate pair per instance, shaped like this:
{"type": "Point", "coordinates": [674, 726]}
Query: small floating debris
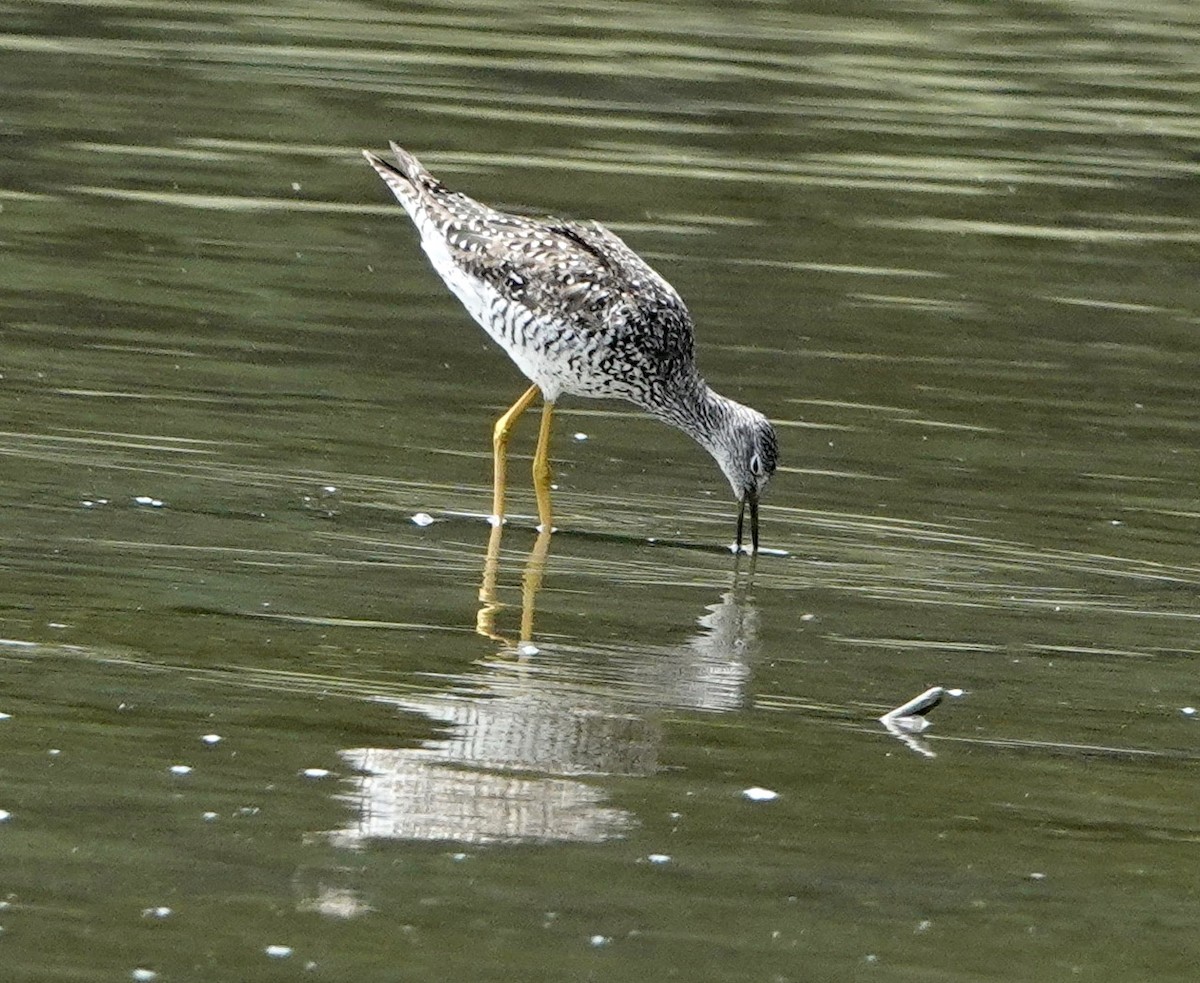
{"type": "Point", "coordinates": [910, 716]}
{"type": "Point", "coordinates": [580, 435]}
{"type": "Point", "coordinates": [181, 769]}
{"type": "Point", "coordinates": [659, 858]}
{"type": "Point", "coordinates": [154, 503]}
{"type": "Point", "coordinates": [758, 794]}
{"type": "Point", "coordinates": [748, 550]}
{"type": "Point", "coordinates": [422, 519]}
{"type": "Point", "coordinates": [1188, 711]}
{"type": "Point", "coordinates": [324, 501]}
{"type": "Point", "coordinates": [211, 739]}
{"type": "Point", "coordinates": [908, 719]}
{"type": "Point", "coordinates": [598, 941]}
{"type": "Point", "coordinates": [5, 716]}
{"type": "Point", "coordinates": [5, 815]}
{"type": "Point", "coordinates": [315, 773]}
{"type": "Point", "coordinates": [278, 951]}
{"type": "Point", "coordinates": [209, 817]}
{"type": "Point", "coordinates": [142, 975]}
{"type": "Point", "coordinates": [527, 648]}
{"type": "Point", "coordinates": [158, 912]}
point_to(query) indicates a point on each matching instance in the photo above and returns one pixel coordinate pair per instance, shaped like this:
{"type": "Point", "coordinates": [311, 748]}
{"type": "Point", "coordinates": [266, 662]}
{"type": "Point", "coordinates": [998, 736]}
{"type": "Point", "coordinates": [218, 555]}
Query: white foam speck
{"type": "Point", "coordinates": [659, 858]}
{"type": "Point", "coordinates": [1188, 711]}
{"type": "Point", "coordinates": [155, 503]}
{"type": "Point", "coordinates": [158, 912]}
{"type": "Point", "coordinates": [599, 940]}
{"type": "Point", "coordinates": [315, 773]}
{"type": "Point", "coordinates": [422, 519]}
{"type": "Point", "coordinates": [278, 951]}
{"type": "Point", "coordinates": [581, 436]}
{"type": "Point", "coordinates": [757, 794]}
{"type": "Point", "coordinates": [181, 769]}
{"type": "Point", "coordinates": [143, 975]}
{"type": "Point", "coordinates": [211, 739]}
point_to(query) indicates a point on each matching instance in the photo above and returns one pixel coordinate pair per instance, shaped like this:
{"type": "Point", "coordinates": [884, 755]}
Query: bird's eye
{"type": "Point", "coordinates": [756, 466]}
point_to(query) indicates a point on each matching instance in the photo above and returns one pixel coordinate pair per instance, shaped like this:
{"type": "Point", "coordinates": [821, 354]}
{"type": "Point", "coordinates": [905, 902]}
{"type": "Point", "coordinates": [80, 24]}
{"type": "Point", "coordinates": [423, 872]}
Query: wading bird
{"type": "Point", "coordinates": [580, 313]}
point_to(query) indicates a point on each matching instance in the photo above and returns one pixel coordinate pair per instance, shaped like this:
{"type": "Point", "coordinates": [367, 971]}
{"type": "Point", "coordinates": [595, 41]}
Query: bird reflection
{"type": "Point", "coordinates": [518, 735]}
{"type": "Point", "coordinates": [711, 669]}
{"type": "Point", "coordinates": [531, 583]}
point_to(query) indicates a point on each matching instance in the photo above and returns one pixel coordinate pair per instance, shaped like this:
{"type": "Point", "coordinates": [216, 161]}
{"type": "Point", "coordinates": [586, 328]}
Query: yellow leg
{"type": "Point", "coordinates": [541, 469]}
{"type": "Point", "coordinates": [500, 435]}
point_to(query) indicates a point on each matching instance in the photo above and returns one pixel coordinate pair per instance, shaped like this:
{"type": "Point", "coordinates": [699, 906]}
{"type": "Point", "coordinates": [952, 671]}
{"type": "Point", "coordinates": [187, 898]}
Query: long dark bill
{"type": "Point", "coordinates": [752, 498]}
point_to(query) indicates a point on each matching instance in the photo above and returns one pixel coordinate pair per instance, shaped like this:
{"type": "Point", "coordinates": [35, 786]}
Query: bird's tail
{"type": "Point", "coordinates": [407, 169]}
{"type": "Point", "coordinates": [413, 186]}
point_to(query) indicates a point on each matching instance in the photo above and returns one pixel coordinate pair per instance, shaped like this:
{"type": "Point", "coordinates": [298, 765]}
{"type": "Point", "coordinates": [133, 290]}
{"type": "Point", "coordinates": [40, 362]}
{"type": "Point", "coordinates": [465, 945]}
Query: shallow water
{"type": "Point", "coordinates": [950, 249]}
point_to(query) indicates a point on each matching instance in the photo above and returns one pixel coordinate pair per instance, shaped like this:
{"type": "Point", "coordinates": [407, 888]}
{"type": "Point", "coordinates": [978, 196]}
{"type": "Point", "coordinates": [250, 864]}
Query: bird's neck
{"type": "Point", "coordinates": [700, 412]}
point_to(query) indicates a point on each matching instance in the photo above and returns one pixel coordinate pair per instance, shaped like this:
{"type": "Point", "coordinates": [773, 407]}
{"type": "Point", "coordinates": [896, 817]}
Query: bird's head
{"type": "Point", "coordinates": [748, 453]}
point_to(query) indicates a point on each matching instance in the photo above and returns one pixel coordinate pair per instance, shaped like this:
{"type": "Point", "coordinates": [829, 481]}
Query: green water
{"type": "Point", "coordinates": [951, 249]}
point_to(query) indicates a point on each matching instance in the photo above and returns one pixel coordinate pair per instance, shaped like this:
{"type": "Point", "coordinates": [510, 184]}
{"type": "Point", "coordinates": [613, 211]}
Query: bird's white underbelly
{"type": "Point", "coordinates": [552, 375]}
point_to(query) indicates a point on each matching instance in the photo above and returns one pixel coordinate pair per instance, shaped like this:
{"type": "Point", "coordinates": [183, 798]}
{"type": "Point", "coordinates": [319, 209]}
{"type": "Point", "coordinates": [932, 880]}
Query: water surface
{"type": "Point", "coordinates": [950, 249]}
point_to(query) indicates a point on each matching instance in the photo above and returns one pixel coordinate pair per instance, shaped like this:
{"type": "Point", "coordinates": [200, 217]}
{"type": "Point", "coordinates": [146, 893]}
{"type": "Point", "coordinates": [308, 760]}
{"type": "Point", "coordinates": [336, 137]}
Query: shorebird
{"type": "Point", "coordinates": [581, 314]}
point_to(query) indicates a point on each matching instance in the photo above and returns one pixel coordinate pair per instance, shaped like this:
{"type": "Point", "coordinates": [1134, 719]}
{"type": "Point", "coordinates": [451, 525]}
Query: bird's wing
{"type": "Point", "coordinates": [638, 276]}
{"type": "Point", "coordinates": [565, 270]}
